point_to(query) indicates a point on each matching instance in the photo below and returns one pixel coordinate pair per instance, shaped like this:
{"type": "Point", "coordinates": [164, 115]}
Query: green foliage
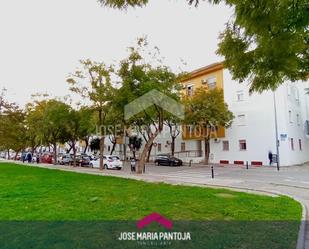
{"type": "Point", "coordinates": [95, 144]}
{"type": "Point", "coordinates": [123, 4]}
{"type": "Point", "coordinates": [93, 83]}
{"type": "Point", "coordinates": [207, 111]}
{"type": "Point", "coordinates": [207, 107]}
{"type": "Point", "coordinates": [135, 143]}
{"type": "Point", "coordinates": [12, 129]}
{"type": "Point", "coordinates": [138, 78]}
{"type": "Point", "coordinates": [12, 125]}
{"type": "Point", "coordinates": [266, 42]}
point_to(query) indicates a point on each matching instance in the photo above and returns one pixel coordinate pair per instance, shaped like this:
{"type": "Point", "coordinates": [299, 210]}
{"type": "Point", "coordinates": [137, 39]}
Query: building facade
{"type": "Point", "coordinates": [252, 134]}
{"type": "Point", "coordinates": [262, 121]}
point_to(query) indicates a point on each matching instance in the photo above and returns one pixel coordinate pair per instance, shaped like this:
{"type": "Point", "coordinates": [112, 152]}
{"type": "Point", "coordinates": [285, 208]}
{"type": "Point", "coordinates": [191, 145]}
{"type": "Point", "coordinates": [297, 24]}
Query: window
{"type": "Point", "coordinates": [241, 119]}
{"type": "Point", "coordinates": [159, 147]}
{"type": "Point", "coordinates": [298, 119]}
{"type": "Point", "coordinates": [300, 144]}
{"type": "Point", "coordinates": [290, 117]}
{"type": "Point", "coordinates": [226, 145]}
{"type": "Point", "coordinates": [183, 147]}
{"type": "Point", "coordinates": [211, 82]}
{"type": "Point", "coordinates": [240, 96]}
{"type": "Point", "coordinates": [292, 144]}
{"type": "Point", "coordinates": [242, 145]}
{"type": "Point", "coordinates": [190, 90]}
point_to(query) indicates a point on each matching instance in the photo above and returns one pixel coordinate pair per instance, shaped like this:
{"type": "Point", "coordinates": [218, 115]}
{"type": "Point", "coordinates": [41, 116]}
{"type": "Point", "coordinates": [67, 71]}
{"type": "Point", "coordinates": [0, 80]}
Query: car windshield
{"type": "Point", "coordinates": [114, 157]}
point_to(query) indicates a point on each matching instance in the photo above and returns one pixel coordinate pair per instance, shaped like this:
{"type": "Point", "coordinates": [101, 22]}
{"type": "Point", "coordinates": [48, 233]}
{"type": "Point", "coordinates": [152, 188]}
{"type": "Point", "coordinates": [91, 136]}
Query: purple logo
{"type": "Point", "coordinates": [154, 217]}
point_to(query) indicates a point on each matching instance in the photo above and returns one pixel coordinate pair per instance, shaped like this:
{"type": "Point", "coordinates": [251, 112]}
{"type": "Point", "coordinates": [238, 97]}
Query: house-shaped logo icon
{"type": "Point", "coordinates": [154, 217]}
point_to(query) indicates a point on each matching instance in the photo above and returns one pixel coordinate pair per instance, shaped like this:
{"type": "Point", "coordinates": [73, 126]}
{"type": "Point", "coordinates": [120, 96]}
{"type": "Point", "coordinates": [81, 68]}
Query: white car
{"type": "Point", "coordinates": [109, 162]}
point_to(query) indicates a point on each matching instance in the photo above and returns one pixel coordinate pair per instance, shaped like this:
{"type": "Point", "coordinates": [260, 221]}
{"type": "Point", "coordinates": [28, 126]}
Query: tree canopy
{"type": "Point", "coordinates": [207, 111]}
{"type": "Point", "coordinates": [265, 43]}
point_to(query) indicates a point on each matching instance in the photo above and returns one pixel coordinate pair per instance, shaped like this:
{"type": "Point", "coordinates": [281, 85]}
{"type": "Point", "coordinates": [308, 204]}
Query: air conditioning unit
{"type": "Point", "coordinates": [217, 140]}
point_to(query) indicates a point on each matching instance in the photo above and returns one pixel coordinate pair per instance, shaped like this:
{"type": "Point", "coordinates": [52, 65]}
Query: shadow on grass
{"type": "Point", "coordinates": [101, 235]}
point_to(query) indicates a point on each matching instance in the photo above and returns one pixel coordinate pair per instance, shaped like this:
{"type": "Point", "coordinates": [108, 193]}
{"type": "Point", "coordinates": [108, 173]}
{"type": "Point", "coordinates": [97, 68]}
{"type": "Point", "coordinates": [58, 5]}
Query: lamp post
{"type": "Point", "coordinates": [276, 131]}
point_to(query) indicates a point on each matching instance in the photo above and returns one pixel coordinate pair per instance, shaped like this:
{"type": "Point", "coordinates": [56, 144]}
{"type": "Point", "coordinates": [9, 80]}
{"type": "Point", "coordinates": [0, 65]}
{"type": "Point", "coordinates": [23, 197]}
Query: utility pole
{"type": "Point", "coordinates": [276, 131]}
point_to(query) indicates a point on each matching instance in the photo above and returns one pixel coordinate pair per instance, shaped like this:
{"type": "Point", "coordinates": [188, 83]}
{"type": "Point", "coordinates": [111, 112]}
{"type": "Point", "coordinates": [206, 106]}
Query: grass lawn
{"type": "Point", "coordinates": [36, 194]}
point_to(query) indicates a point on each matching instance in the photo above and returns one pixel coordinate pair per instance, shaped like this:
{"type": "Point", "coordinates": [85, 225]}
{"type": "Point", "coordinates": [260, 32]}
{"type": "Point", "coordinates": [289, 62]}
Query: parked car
{"type": "Point", "coordinates": [109, 162]}
{"type": "Point", "coordinates": [64, 159]}
{"type": "Point", "coordinates": [47, 157]}
{"type": "Point", "coordinates": [167, 160]}
{"type": "Point", "coordinates": [80, 160]}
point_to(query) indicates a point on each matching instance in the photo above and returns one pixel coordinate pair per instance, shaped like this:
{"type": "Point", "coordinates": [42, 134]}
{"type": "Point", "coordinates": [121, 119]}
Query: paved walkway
{"type": "Point", "coordinates": [291, 181]}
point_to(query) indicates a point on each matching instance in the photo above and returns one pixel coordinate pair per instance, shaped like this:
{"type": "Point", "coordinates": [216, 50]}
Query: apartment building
{"type": "Point", "coordinates": [260, 121]}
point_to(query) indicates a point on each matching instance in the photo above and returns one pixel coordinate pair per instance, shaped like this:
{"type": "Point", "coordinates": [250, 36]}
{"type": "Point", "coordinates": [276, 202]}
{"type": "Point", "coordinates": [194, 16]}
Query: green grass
{"type": "Point", "coordinates": [94, 210]}
{"type": "Point", "coordinates": [29, 193]}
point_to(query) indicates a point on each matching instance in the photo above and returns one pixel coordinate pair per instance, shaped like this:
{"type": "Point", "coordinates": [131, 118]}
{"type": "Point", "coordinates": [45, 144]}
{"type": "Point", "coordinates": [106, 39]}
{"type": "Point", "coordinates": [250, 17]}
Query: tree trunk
{"type": "Point", "coordinates": [142, 159]}
{"type": "Point", "coordinates": [16, 155]}
{"type": "Point", "coordinates": [87, 144]}
{"type": "Point", "coordinates": [207, 150]}
{"type": "Point", "coordinates": [149, 153]}
{"type": "Point", "coordinates": [55, 153]}
{"type": "Point", "coordinates": [101, 152]}
{"type": "Point", "coordinates": [173, 145]}
{"type": "Point", "coordinates": [113, 148]}
{"type": "Point", "coordinates": [9, 154]}
{"type": "Point", "coordinates": [69, 150]}
{"type": "Point", "coordinates": [33, 148]}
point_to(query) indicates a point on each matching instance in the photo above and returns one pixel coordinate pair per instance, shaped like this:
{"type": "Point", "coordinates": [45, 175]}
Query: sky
{"type": "Point", "coordinates": [42, 41]}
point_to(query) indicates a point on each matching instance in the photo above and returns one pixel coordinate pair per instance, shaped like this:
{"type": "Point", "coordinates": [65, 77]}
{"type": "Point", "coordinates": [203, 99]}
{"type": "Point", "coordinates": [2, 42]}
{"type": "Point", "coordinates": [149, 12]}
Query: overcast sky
{"type": "Point", "coordinates": [41, 41]}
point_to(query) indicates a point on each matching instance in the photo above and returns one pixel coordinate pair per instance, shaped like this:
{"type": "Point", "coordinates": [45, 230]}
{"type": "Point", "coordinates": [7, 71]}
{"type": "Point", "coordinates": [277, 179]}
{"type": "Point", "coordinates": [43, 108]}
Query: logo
{"type": "Point", "coordinates": [155, 238]}
{"type": "Point", "coordinates": [154, 217]}
{"type": "Point", "coordinates": [154, 97]}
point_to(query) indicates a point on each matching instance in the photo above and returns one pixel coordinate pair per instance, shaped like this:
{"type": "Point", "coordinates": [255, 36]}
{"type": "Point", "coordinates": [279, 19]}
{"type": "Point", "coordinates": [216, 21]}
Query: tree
{"type": "Point", "coordinates": [135, 144]}
{"type": "Point", "coordinates": [77, 127]}
{"type": "Point", "coordinates": [139, 78]}
{"type": "Point", "coordinates": [206, 110]}
{"type": "Point", "coordinates": [55, 116]}
{"type": "Point", "coordinates": [12, 128]}
{"type": "Point", "coordinates": [174, 125]}
{"type": "Point", "coordinates": [95, 144]}
{"type": "Point", "coordinates": [265, 43]}
{"type": "Point", "coordinates": [93, 83]}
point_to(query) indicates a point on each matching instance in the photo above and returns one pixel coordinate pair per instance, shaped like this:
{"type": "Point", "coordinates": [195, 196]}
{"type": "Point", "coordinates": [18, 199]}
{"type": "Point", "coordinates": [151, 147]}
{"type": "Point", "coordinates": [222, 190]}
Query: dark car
{"type": "Point", "coordinates": [167, 160]}
{"type": "Point", "coordinates": [81, 160]}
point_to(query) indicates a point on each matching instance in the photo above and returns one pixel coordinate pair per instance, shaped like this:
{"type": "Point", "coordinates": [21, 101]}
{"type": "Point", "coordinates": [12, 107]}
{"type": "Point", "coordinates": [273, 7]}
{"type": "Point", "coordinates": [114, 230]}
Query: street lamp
{"type": "Point", "coordinates": [276, 131]}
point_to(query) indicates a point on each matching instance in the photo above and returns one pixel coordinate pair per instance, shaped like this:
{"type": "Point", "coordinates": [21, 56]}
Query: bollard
{"type": "Point", "coordinates": [190, 163]}
{"type": "Point", "coordinates": [144, 169]}
{"type": "Point", "coordinates": [212, 172]}
{"type": "Point", "coordinates": [247, 165]}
